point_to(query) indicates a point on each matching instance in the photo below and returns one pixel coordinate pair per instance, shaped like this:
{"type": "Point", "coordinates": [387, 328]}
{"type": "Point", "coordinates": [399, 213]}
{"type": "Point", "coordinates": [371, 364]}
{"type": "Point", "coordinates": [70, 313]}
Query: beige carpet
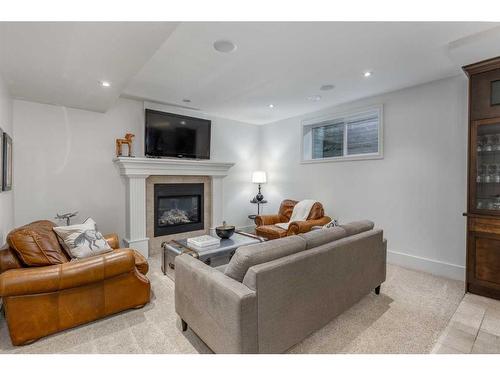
{"type": "Point", "coordinates": [407, 317]}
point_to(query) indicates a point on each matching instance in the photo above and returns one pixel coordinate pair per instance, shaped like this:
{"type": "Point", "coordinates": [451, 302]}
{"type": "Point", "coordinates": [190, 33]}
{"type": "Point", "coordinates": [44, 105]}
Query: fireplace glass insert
{"type": "Point", "coordinates": [178, 208]}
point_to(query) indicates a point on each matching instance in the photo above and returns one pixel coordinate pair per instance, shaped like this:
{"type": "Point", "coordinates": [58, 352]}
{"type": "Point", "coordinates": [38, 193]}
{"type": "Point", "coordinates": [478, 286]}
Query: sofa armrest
{"type": "Point", "coordinates": [34, 280]}
{"type": "Point", "coordinates": [267, 220]}
{"type": "Point", "coordinates": [297, 227]}
{"type": "Point", "coordinates": [112, 240]}
{"type": "Point", "coordinates": [221, 310]}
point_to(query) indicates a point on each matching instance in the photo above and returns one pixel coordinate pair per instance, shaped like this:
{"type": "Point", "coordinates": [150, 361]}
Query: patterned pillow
{"type": "Point", "coordinates": [331, 224]}
{"type": "Point", "coordinates": [82, 240]}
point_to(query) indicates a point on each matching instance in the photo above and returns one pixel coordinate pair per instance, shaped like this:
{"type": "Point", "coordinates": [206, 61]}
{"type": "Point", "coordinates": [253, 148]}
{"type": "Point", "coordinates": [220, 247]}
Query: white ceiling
{"type": "Point", "coordinates": [63, 62]}
{"type": "Point", "coordinates": [275, 62]}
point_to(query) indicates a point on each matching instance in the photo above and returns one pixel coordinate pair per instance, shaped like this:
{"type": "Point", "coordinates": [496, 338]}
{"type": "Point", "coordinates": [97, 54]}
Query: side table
{"type": "Point", "coordinates": [258, 203]}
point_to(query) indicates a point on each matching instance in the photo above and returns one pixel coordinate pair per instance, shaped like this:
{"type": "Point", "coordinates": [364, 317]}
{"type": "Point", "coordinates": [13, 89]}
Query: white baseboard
{"type": "Point", "coordinates": [435, 267]}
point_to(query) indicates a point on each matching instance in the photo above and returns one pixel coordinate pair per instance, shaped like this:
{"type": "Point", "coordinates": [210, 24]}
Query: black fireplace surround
{"type": "Point", "coordinates": [178, 208]}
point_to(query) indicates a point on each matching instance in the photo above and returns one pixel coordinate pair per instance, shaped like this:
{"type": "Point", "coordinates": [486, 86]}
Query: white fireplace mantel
{"type": "Point", "coordinates": [170, 167]}
{"type": "Point", "coordinates": [136, 170]}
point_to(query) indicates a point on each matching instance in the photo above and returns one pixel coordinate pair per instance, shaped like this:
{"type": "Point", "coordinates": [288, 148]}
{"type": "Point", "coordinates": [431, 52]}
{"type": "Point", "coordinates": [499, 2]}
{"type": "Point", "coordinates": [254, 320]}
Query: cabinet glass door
{"type": "Point", "coordinates": [486, 166]}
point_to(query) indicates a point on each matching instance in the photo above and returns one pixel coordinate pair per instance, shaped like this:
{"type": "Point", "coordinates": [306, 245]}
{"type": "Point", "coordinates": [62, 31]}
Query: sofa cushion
{"type": "Point", "coordinates": [357, 227]}
{"type": "Point", "coordinates": [36, 244]}
{"type": "Point", "coordinates": [251, 255]}
{"type": "Point", "coordinates": [321, 236]}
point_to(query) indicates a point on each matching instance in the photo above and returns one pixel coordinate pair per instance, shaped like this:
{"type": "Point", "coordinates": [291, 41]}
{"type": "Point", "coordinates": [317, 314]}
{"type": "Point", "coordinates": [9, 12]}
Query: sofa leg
{"type": "Point", "coordinates": [184, 325]}
{"type": "Point", "coordinates": [377, 290]}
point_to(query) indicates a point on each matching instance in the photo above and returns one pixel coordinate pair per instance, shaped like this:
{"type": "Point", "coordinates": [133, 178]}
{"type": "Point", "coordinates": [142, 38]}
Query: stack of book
{"type": "Point", "coordinates": [203, 242]}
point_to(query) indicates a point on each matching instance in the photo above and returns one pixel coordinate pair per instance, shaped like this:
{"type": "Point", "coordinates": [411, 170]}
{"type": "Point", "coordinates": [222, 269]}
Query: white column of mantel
{"type": "Point", "coordinates": [136, 214]}
{"type": "Point", "coordinates": [217, 202]}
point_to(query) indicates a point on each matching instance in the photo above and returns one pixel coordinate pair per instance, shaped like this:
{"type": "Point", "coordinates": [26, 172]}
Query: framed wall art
{"type": "Point", "coordinates": [7, 162]}
{"type": "Point", "coordinates": [1, 160]}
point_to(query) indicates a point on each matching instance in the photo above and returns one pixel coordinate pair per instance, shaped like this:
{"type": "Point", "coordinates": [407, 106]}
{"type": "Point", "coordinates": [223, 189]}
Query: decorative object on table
{"type": "Point", "coordinates": [66, 217]}
{"type": "Point", "coordinates": [82, 240]}
{"type": "Point", "coordinates": [7, 162]}
{"type": "Point", "coordinates": [124, 141]}
{"type": "Point", "coordinates": [225, 231]}
{"type": "Point", "coordinates": [259, 177]}
{"type": "Point", "coordinates": [331, 224]}
{"type": "Point", "coordinates": [203, 241]}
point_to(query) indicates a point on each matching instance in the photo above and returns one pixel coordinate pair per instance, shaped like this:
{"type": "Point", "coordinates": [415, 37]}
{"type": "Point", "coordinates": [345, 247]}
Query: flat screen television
{"type": "Point", "coordinates": [172, 135]}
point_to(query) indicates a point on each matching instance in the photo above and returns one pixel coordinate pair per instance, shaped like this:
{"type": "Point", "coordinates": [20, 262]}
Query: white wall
{"type": "Point", "coordinates": [417, 193]}
{"type": "Point", "coordinates": [63, 162]}
{"type": "Point", "coordinates": [6, 197]}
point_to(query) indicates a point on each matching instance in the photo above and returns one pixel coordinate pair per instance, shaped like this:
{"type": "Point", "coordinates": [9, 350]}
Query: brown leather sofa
{"type": "Point", "coordinates": [43, 292]}
{"type": "Point", "coordinates": [267, 228]}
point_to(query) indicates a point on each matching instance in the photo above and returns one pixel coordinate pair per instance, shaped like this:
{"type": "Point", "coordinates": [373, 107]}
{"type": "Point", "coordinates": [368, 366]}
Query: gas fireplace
{"type": "Point", "coordinates": [178, 208]}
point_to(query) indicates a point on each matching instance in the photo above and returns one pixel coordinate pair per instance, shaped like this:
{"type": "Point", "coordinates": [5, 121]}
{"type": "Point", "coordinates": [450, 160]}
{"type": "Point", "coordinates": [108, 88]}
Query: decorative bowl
{"type": "Point", "coordinates": [225, 231]}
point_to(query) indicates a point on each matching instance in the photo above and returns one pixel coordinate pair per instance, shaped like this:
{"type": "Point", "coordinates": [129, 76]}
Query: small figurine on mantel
{"type": "Point", "coordinates": [124, 141]}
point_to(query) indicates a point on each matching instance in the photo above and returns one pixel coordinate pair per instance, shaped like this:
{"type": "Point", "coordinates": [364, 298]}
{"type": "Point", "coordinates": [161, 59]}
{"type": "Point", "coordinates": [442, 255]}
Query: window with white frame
{"type": "Point", "coordinates": [353, 135]}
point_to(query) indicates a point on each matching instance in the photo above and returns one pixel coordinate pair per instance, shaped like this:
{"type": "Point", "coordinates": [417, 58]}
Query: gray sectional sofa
{"type": "Point", "coordinates": [272, 295]}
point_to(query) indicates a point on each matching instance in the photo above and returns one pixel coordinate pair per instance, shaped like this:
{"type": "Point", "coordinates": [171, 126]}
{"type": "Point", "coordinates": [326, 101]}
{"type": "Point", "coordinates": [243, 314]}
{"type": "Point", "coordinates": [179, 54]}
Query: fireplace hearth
{"type": "Point", "coordinates": [178, 208]}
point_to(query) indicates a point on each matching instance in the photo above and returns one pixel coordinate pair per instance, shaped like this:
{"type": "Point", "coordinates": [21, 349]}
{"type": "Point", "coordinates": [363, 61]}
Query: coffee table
{"type": "Point", "coordinates": [213, 256]}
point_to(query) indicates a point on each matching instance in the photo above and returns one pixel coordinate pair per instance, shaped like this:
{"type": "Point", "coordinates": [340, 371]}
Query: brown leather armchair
{"type": "Point", "coordinates": [41, 300]}
{"type": "Point", "coordinates": [267, 228]}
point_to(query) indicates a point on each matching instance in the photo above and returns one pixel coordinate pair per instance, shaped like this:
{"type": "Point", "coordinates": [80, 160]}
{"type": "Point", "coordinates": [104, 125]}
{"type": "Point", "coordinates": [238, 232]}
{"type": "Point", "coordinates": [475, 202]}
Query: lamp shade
{"type": "Point", "coordinates": [259, 177]}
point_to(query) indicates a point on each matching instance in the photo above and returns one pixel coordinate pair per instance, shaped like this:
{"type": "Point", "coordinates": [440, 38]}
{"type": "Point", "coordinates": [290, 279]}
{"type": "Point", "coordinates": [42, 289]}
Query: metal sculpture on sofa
{"type": "Point", "coordinates": [267, 224]}
{"type": "Point", "coordinates": [43, 292]}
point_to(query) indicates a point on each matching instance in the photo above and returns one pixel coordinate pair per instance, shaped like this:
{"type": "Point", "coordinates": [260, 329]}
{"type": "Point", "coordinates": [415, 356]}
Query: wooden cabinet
{"type": "Point", "coordinates": [483, 212]}
{"type": "Point", "coordinates": [483, 256]}
{"type": "Point", "coordinates": [484, 103]}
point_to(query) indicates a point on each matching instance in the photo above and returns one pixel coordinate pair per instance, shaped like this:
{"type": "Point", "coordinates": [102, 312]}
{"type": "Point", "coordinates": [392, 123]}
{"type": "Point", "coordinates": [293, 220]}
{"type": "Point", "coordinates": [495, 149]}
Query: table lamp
{"type": "Point", "coordinates": [259, 177]}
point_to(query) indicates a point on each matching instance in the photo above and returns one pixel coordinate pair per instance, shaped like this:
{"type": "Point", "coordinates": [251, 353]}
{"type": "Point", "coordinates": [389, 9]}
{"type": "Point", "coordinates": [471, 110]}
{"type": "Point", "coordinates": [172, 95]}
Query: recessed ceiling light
{"type": "Point", "coordinates": [224, 46]}
{"type": "Point", "coordinates": [326, 87]}
{"type": "Point", "coordinates": [105, 84]}
{"type": "Point", "coordinates": [183, 122]}
{"type": "Point", "coordinates": [367, 74]}
{"type": "Point", "coordinates": [186, 100]}
{"type": "Point", "coordinates": [271, 105]}
{"type": "Point", "coordinates": [314, 98]}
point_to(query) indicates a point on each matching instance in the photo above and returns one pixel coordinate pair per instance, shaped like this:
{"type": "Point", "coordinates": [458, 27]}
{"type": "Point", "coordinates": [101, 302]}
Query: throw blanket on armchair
{"type": "Point", "coordinates": [300, 212]}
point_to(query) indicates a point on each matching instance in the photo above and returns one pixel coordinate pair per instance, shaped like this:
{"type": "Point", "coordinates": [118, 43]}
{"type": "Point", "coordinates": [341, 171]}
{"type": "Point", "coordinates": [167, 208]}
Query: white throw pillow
{"type": "Point", "coordinates": [331, 224]}
{"type": "Point", "coordinates": [82, 240]}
